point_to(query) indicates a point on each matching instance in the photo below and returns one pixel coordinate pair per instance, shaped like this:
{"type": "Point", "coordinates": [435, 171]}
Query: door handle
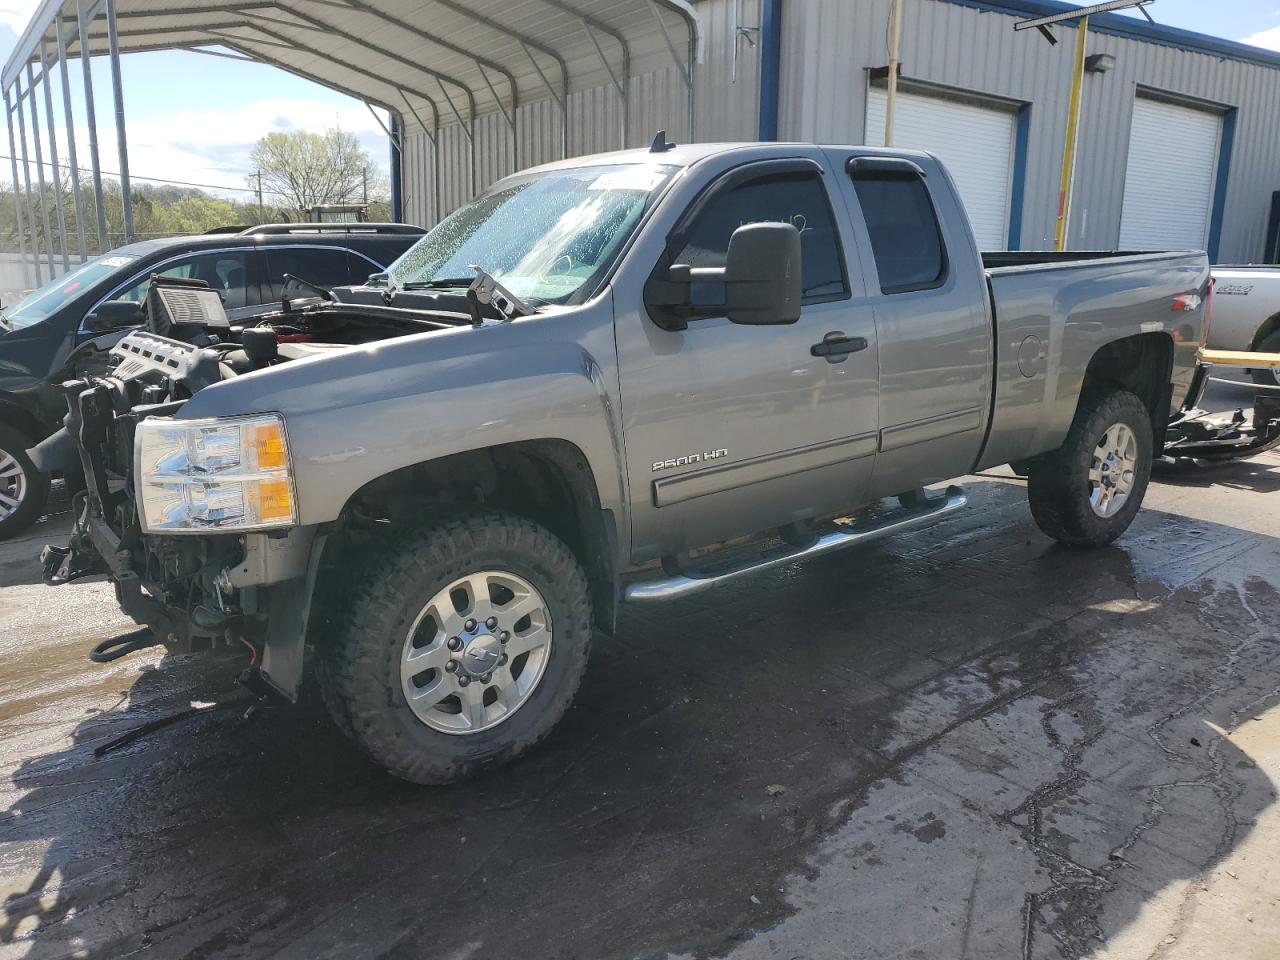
{"type": "Point", "coordinates": [836, 346]}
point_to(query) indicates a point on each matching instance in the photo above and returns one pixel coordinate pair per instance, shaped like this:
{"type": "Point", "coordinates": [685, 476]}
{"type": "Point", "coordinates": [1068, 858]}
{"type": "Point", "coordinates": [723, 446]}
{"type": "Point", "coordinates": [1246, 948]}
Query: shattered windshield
{"type": "Point", "coordinates": [546, 236]}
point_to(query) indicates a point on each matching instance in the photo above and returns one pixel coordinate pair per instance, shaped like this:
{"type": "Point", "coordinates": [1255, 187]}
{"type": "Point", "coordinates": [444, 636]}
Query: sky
{"type": "Point", "coordinates": [177, 130]}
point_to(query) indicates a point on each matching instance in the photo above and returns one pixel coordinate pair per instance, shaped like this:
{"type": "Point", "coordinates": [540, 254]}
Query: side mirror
{"type": "Point", "coordinates": [115, 315]}
{"type": "Point", "coordinates": [762, 274]}
{"type": "Point", "coordinates": [759, 284]}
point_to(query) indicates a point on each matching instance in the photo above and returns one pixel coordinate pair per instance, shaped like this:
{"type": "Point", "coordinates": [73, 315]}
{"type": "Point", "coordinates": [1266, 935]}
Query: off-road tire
{"type": "Point", "coordinates": [1058, 482]}
{"type": "Point", "coordinates": [359, 668]}
{"type": "Point", "coordinates": [36, 495]}
{"type": "Point", "coordinates": [1268, 376]}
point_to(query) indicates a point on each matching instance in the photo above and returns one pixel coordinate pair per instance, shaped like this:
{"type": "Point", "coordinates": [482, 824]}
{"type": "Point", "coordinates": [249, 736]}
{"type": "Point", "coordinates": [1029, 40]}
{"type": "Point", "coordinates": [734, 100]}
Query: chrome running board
{"type": "Point", "coordinates": [693, 580]}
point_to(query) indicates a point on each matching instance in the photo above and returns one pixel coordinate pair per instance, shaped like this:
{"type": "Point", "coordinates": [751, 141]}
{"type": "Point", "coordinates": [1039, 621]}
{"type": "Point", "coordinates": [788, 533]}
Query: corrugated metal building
{"type": "Point", "coordinates": [1180, 139]}
{"type": "Point", "coordinates": [1180, 144]}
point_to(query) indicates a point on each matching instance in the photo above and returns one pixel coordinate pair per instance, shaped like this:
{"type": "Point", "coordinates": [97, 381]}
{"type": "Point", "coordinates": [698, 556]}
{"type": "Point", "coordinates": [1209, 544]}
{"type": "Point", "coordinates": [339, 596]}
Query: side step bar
{"type": "Point", "coordinates": [694, 580]}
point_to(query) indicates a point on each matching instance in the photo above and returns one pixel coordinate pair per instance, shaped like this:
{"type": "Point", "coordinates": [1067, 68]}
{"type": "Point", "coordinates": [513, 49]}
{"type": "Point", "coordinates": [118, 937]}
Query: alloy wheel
{"type": "Point", "coordinates": [476, 652]}
{"type": "Point", "coordinates": [1112, 470]}
{"type": "Point", "coordinates": [13, 485]}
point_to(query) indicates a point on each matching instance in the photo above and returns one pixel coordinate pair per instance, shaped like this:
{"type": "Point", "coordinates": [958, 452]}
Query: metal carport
{"type": "Point", "coordinates": [475, 88]}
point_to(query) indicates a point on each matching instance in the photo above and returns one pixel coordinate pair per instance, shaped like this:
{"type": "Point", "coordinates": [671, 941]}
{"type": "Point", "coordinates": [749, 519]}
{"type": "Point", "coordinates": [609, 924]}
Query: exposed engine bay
{"type": "Point", "coordinates": [187, 343]}
{"type": "Point", "coordinates": [186, 589]}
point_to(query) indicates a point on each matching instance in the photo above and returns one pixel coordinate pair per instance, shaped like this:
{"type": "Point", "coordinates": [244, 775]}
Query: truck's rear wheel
{"type": "Point", "coordinates": [461, 649]}
{"type": "Point", "coordinates": [24, 490]}
{"type": "Point", "coordinates": [1088, 491]}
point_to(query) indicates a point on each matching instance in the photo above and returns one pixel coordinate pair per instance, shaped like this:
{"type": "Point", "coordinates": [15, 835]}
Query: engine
{"type": "Point", "coordinates": [187, 342]}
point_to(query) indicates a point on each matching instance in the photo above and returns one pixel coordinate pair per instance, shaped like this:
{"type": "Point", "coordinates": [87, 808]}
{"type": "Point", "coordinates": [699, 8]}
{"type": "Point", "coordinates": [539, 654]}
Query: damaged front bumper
{"type": "Point", "coordinates": [192, 592]}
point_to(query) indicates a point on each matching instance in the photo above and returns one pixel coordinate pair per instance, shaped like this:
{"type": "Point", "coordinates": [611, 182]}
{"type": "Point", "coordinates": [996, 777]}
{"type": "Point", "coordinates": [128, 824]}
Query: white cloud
{"type": "Point", "coordinates": [212, 146]}
{"type": "Point", "coordinates": [16, 14]}
{"type": "Point", "coordinates": [1268, 39]}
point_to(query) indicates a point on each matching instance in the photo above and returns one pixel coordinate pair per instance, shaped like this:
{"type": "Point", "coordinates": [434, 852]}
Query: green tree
{"type": "Point", "coordinates": [300, 170]}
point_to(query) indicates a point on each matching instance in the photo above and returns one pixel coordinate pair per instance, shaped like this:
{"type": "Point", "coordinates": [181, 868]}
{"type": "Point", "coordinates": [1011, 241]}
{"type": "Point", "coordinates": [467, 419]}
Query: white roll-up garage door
{"type": "Point", "coordinates": [1170, 177]}
{"type": "Point", "coordinates": [976, 143]}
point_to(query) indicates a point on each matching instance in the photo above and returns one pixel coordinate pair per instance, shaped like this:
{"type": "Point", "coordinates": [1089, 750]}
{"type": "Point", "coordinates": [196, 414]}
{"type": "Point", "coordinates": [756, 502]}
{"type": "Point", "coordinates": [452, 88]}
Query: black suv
{"type": "Point", "coordinates": [51, 335]}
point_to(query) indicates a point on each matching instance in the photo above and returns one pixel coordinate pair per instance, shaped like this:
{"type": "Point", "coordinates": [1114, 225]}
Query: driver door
{"type": "Point", "coordinates": [735, 429]}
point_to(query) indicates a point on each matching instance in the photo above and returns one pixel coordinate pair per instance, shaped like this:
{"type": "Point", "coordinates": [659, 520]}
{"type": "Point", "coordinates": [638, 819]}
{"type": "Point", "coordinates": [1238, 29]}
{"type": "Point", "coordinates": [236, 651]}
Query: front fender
{"type": "Point", "coordinates": [365, 412]}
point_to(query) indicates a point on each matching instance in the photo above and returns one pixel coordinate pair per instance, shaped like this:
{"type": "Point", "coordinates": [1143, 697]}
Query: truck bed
{"type": "Point", "coordinates": [999, 259]}
{"type": "Point", "coordinates": [1053, 311]}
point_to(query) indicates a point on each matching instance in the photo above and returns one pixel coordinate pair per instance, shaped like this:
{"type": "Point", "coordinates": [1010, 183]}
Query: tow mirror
{"type": "Point", "coordinates": [759, 283]}
{"type": "Point", "coordinates": [115, 315]}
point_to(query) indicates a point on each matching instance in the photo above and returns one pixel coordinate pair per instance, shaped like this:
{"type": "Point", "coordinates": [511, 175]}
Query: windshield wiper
{"type": "Point", "coordinates": [443, 282]}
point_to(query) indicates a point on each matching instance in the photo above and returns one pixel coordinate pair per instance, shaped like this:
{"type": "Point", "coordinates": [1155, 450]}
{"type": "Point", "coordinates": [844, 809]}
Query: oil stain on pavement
{"type": "Point", "coordinates": [963, 743]}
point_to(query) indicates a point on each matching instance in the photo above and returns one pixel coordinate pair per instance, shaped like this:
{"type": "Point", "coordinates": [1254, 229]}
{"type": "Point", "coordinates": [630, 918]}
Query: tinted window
{"type": "Point", "coordinates": [228, 273]}
{"type": "Point", "coordinates": [798, 199]}
{"type": "Point", "coordinates": [359, 269]}
{"type": "Point", "coordinates": [905, 237]}
{"type": "Point", "coordinates": [326, 266]}
{"type": "Point", "coordinates": [44, 302]}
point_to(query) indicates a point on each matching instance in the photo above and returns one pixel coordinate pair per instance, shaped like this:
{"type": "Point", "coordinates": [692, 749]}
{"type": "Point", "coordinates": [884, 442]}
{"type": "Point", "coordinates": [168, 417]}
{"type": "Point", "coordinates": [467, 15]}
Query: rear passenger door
{"type": "Point", "coordinates": [929, 294]}
{"type": "Point", "coordinates": [732, 429]}
{"type": "Point", "coordinates": [327, 266]}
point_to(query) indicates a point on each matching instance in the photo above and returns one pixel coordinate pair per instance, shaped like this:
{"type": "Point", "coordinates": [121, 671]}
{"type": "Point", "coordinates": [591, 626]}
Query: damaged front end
{"type": "Point", "coordinates": [197, 579]}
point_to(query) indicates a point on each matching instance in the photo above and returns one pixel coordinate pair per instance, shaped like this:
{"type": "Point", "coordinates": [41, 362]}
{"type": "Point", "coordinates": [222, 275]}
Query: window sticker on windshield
{"type": "Point", "coordinates": [117, 261]}
{"type": "Point", "coordinates": [643, 179]}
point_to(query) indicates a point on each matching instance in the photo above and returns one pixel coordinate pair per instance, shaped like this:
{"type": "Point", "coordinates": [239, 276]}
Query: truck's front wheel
{"type": "Point", "coordinates": [461, 649]}
{"type": "Point", "coordinates": [1088, 491]}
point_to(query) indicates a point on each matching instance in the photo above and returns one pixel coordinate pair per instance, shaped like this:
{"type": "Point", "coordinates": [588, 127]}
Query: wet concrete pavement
{"type": "Point", "coordinates": [967, 742]}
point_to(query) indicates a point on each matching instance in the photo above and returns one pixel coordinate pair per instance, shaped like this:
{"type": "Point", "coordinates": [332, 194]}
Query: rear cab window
{"type": "Point", "coordinates": [797, 198]}
{"type": "Point", "coordinates": [906, 237]}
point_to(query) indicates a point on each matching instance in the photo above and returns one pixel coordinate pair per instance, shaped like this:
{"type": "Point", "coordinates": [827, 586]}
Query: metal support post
{"type": "Point", "coordinates": [122, 145]}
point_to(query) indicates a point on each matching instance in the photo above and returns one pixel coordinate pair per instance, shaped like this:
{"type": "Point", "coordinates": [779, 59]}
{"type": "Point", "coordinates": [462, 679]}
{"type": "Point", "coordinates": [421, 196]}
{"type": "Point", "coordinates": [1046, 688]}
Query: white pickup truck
{"type": "Point", "coordinates": [1246, 314]}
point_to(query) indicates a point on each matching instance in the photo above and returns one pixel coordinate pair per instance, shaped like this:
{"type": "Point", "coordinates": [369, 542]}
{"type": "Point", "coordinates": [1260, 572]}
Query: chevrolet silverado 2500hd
{"type": "Point", "coordinates": [434, 487]}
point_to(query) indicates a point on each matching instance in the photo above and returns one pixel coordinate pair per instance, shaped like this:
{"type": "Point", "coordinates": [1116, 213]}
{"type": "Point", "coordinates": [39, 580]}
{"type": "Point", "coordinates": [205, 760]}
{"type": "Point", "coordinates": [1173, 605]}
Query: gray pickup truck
{"type": "Point", "coordinates": [625, 377]}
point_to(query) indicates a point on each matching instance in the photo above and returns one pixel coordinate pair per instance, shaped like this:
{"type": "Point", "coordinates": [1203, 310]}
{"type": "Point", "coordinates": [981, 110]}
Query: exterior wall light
{"type": "Point", "coordinates": [1099, 63]}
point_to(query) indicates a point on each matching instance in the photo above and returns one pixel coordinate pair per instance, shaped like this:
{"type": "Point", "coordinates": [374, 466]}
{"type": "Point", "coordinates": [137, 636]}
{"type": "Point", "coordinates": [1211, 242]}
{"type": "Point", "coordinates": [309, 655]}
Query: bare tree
{"type": "Point", "coordinates": [300, 170]}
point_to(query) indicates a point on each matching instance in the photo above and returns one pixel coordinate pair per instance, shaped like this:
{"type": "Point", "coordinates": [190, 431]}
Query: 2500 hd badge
{"type": "Point", "coordinates": [691, 458]}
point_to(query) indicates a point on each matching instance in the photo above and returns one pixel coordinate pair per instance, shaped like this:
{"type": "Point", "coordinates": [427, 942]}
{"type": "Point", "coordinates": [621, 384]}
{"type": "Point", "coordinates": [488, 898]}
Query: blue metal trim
{"type": "Point", "coordinates": [397, 197]}
{"type": "Point", "coordinates": [1132, 29]}
{"type": "Point", "coordinates": [1224, 177]}
{"type": "Point", "coordinates": [770, 67]}
{"type": "Point", "coordinates": [1021, 142]}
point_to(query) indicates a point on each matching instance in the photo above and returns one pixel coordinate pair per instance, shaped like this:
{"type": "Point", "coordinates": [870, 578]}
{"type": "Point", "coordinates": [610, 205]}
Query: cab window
{"type": "Point", "coordinates": [326, 266]}
{"type": "Point", "coordinates": [799, 199]}
{"type": "Point", "coordinates": [906, 240]}
{"type": "Point", "coordinates": [228, 273]}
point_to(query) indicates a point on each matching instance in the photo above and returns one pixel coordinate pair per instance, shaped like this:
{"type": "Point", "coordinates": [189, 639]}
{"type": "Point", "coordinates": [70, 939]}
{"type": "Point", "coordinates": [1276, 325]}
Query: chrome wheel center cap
{"type": "Point", "coordinates": [481, 654]}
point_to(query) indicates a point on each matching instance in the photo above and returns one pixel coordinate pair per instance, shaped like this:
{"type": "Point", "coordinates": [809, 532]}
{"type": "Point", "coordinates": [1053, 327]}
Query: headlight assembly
{"type": "Point", "coordinates": [203, 476]}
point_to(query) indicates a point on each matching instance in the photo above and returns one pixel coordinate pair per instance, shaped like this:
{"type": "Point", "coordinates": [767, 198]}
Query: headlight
{"type": "Point", "coordinates": [197, 476]}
